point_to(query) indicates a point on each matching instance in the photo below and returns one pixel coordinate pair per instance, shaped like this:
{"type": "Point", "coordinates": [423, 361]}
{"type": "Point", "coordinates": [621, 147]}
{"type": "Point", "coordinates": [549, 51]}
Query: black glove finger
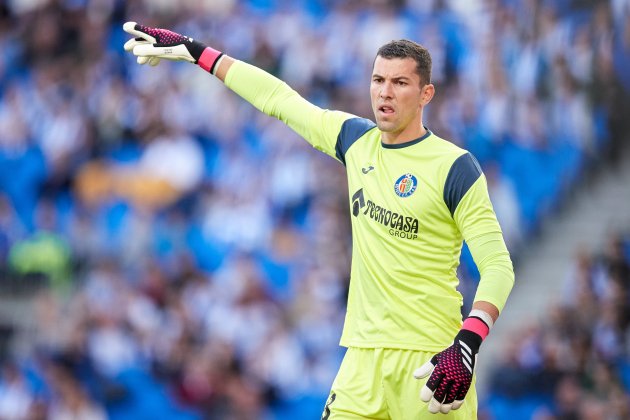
{"type": "Point", "coordinates": [434, 382]}
{"type": "Point", "coordinates": [164, 37]}
{"type": "Point", "coordinates": [442, 391]}
{"type": "Point", "coordinates": [138, 31]}
{"type": "Point", "coordinates": [461, 392]}
{"type": "Point", "coordinates": [450, 392]}
{"type": "Point", "coordinates": [459, 399]}
{"type": "Point", "coordinates": [448, 396]}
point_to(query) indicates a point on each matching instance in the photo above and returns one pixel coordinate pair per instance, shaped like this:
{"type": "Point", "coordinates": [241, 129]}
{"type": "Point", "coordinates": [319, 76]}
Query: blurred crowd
{"type": "Point", "coordinates": [576, 363]}
{"type": "Point", "coordinates": [198, 252]}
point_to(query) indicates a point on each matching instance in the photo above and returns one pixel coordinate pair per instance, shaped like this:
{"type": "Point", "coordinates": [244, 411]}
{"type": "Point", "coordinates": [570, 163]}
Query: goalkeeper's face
{"type": "Point", "coordinates": [398, 95]}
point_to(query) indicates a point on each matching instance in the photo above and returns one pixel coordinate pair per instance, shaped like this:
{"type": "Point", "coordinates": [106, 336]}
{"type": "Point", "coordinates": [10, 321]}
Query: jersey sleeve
{"type": "Point", "coordinates": [320, 127]}
{"type": "Point", "coordinates": [466, 196]}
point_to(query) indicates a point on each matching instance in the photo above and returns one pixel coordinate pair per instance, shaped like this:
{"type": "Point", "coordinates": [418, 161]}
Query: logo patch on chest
{"type": "Point", "coordinates": [405, 185]}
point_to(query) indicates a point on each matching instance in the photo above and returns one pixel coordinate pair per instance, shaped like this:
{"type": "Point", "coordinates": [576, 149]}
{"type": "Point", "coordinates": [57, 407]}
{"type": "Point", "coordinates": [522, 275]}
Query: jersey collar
{"type": "Point", "coordinates": [407, 143]}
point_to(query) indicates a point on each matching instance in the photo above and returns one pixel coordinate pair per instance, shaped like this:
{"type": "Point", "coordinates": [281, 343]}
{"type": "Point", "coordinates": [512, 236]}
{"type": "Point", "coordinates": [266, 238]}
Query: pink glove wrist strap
{"type": "Point", "coordinates": [209, 58]}
{"type": "Point", "coordinates": [477, 326]}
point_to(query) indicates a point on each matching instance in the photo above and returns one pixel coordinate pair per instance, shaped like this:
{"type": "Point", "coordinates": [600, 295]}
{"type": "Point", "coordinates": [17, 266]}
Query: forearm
{"type": "Point", "coordinates": [267, 93]}
{"type": "Point", "coordinates": [497, 274]}
{"type": "Point", "coordinates": [223, 67]}
{"type": "Point", "coordinates": [275, 98]}
{"type": "Point", "coordinates": [488, 308]}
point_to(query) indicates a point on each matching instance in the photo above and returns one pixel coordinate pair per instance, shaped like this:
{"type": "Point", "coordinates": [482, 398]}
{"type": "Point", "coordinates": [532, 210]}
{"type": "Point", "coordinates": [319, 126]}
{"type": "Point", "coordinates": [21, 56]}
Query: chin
{"type": "Point", "coordinates": [380, 123]}
{"type": "Point", "coordinates": [386, 127]}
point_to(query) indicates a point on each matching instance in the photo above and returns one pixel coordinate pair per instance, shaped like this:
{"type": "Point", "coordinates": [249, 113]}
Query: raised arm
{"type": "Point", "coordinates": [267, 93]}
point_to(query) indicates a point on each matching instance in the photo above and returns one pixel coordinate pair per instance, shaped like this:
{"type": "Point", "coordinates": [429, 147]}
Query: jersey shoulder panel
{"type": "Point", "coordinates": [463, 173]}
{"type": "Point", "coordinates": [351, 131]}
{"type": "Point", "coordinates": [459, 170]}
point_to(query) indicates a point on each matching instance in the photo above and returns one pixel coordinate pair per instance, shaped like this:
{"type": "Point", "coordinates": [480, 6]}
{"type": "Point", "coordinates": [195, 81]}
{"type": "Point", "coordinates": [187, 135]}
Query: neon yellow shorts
{"type": "Point", "coordinates": [378, 384]}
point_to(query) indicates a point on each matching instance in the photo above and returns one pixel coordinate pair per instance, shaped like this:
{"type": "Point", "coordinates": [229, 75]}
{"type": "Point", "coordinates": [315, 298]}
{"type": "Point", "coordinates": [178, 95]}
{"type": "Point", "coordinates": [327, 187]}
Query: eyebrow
{"type": "Point", "coordinates": [393, 78]}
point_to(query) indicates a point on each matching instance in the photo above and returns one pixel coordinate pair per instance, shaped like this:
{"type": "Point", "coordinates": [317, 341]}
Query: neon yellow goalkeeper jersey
{"type": "Point", "coordinates": [411, 206]}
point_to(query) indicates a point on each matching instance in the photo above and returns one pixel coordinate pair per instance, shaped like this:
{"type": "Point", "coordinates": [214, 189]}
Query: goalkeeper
{"type": "Point", "coordinates": [414, 198]}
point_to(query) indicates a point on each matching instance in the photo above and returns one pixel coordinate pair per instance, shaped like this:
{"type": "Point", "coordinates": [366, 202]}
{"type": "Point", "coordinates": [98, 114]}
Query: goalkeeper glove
{"type": "Point", "coordinates": [452, 370]}
{"type": "Point", "coordinates": [152, 44]}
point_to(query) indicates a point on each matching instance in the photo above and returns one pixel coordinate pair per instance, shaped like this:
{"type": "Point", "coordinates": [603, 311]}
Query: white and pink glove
{"type": "Point", "coordinates": [452, 369]}
{"type": "Point", "coordinates": [151, 45]}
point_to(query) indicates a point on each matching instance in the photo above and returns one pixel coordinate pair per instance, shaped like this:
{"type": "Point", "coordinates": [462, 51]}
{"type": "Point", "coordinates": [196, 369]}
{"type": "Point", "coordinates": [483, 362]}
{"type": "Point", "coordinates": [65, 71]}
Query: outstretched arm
{"type": "Point", "coordinates": [267, 93]}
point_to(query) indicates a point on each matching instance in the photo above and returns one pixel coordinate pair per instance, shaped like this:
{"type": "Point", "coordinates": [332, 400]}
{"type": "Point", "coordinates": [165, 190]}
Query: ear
{"type": "Point", "coordinates": [426, 94]}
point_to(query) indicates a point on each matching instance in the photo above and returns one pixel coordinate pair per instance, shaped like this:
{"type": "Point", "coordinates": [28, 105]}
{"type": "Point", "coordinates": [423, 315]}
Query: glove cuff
{"type": "Point", "coordinates": [477, 326]}
{"type": "Point", "coordinates": [208, 59]}
{"type": "Point", "coordinates": [470, 338]}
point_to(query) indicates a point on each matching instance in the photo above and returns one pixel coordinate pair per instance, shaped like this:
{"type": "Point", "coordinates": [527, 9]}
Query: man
{"type": "Point", "coordinates": [414, 198]}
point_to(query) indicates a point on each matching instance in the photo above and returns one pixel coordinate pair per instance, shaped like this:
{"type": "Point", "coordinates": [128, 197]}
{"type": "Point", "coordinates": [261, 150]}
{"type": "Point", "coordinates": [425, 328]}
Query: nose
{"type": "Point", "coordinates": [386, 90]}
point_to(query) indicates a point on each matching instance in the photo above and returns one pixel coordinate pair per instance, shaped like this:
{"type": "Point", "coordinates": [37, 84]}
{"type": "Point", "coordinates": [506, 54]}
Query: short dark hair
{"type": "Point", "coordinates": [403, 48]}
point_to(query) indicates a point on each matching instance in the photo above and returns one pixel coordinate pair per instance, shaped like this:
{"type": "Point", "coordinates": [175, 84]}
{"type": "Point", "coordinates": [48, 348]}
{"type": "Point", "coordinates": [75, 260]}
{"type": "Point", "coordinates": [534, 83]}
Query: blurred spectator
{"type": "Point", "coordinates": [16, 399]}
{"type": "Point", "coordinates": [576, 364]}
{"type": "Point", "coordinates": [505, 203]}
{"type": "Point", "coordinates": [71, 401]}
{"type": "Point", "coordinates": [46, 251]}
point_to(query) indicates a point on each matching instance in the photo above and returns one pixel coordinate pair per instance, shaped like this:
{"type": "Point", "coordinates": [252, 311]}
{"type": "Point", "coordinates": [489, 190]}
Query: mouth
{"type": "Point", "coordinates": [386, 110]}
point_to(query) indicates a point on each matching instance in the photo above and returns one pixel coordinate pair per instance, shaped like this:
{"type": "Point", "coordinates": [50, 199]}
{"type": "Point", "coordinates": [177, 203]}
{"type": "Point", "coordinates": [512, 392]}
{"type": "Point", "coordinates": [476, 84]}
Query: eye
{"type": "Point", "coordinates": [377, 80]}
{"type": "Point", "coordinates": [402, 83]}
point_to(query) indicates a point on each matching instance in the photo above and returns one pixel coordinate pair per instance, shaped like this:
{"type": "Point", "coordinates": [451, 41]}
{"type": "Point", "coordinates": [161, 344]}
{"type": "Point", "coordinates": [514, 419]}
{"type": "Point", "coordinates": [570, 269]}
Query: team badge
{"type": "Point", "coordinates": [406, 185]}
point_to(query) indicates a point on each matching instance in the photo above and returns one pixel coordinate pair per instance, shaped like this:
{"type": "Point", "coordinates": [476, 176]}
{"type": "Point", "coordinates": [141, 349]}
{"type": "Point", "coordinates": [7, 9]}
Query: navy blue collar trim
{"type": "Point", "coordinates": [407, 143]}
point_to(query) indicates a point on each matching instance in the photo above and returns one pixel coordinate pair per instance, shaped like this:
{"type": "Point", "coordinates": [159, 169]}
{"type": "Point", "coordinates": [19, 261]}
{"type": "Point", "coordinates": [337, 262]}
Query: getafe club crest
{"type": "Point", "coordinates": [406, 185]}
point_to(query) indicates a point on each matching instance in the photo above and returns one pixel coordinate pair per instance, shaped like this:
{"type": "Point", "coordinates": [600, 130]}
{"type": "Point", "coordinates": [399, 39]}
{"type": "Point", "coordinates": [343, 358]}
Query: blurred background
{"type": "Point", "coordinates": [168, 252]}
